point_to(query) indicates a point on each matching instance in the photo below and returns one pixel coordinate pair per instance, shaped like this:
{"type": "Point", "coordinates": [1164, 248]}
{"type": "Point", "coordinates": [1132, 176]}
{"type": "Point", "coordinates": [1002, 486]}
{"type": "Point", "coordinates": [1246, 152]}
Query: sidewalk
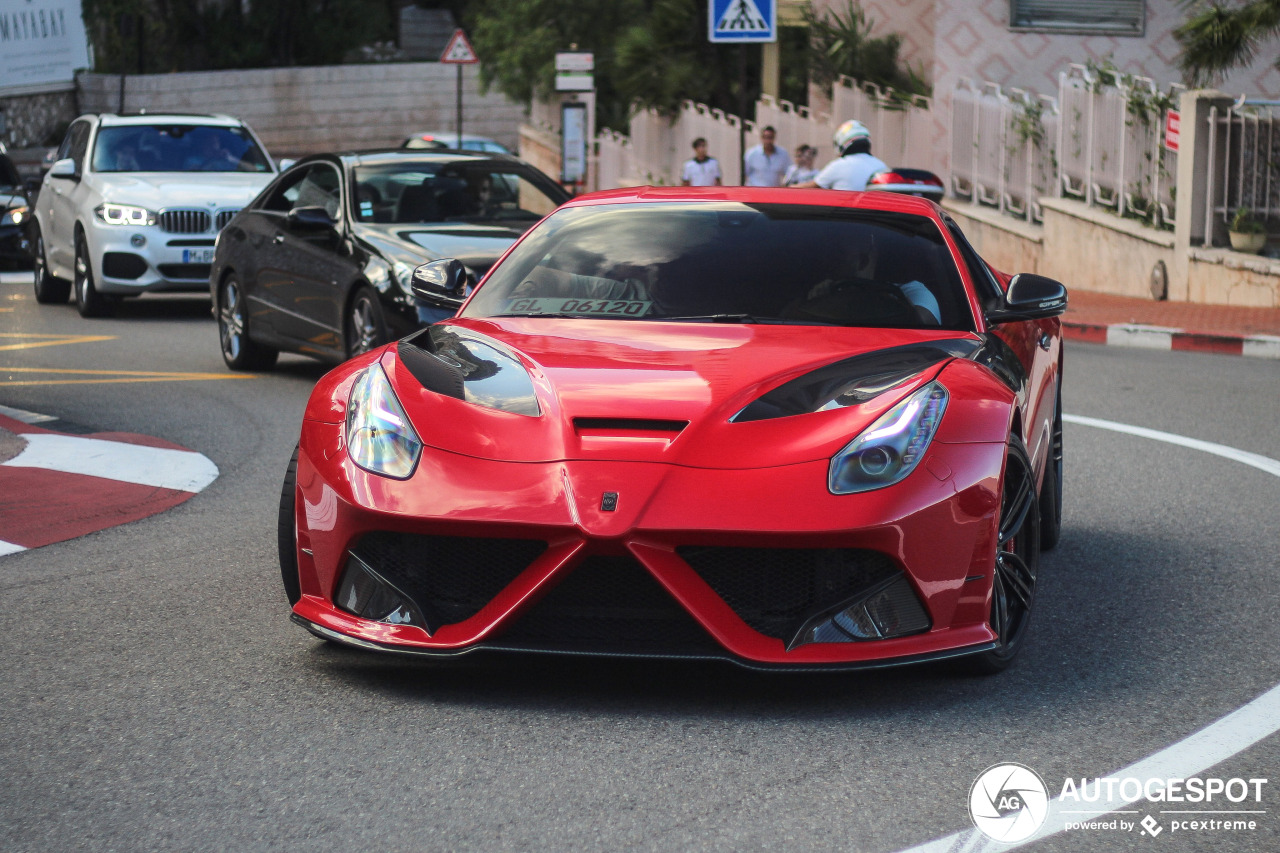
{"type": "Point", "coordinates": [1122, 321]}
{"type": "Point", "coordinates": [56, 486]}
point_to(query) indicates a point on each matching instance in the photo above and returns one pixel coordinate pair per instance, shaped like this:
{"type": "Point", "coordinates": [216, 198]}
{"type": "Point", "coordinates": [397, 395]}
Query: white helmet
{"type": "Point", "coordinates": [848, 132]}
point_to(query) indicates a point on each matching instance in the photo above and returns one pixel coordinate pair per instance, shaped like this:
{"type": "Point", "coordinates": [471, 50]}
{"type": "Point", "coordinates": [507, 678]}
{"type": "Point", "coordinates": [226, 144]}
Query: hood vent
{"type": "Point", "coordinates": [628, 425]}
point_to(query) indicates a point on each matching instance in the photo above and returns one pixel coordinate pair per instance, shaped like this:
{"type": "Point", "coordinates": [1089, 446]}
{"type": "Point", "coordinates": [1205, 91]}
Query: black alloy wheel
{"type": "Point", "coordinates": [239, 351]}
{"type": "Point", "coordinates": [89, 301]}
{"type": "Point", "coordinates": [49, 290]}
{"type": "Point", "coordinates": [365, 328]}
{"type": "Point", "coordinates": [1013, 587]}
{"type": "Point", "coordinates": [287, 533]}
{"type": "Point", "coordinates": [1051, 490]}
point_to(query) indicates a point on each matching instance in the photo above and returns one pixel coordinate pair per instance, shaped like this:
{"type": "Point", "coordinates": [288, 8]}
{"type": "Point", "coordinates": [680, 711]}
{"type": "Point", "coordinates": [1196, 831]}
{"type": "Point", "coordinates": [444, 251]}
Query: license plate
{"type": "Point", "coordinates": [197, 256]}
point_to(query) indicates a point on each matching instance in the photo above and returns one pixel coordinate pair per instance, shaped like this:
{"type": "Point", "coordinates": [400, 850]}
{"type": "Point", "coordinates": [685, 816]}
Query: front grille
{"type": "Point", "coordinates": [610, 604]}
{"type": "Point", "coordinates": [184, 221]}
{"type": "Point", "coordinates": [225, 216]}
{"type": "Point", "coordinates": [775, 590]}
{"type": "Point", "coordinates": [191, 272]}
{"type": "Point", "coordinates": [450, 578]}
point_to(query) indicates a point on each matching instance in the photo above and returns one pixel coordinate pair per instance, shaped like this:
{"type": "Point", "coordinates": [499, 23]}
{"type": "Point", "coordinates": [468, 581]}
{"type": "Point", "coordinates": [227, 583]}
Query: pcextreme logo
{"type": "Point", "coordinates": [1008, 802]}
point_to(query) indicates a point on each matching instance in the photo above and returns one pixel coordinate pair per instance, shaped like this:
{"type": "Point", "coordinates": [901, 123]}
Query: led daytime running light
{"type": "Point", "coordinates": [124, 214]}
{"type": "Point", "coordinates": [890, 449]}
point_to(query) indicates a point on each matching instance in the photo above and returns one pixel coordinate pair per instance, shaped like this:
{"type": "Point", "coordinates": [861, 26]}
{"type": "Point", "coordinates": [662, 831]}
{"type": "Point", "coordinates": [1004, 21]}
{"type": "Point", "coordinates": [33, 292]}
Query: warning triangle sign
{"type": "Point", "coordinates": [741, 16]}
{"type": "Point", "coordinates": [459, 51]}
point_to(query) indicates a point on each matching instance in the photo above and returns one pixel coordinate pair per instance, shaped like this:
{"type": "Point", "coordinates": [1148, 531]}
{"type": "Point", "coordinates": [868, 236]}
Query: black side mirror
{"type": "Point", "coordinates": [311, 218]}
{"type": "Point", "coordinates": [1030, 297]}
{"type": "Point", "coordinates": [442, 282]}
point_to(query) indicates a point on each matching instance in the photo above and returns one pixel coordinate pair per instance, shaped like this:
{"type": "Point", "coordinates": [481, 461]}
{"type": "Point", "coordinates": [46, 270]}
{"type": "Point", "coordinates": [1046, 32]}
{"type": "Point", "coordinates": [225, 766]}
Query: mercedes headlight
{"type": "Point", "coordinates": [888, 450]}
{"type": "Point", "coordinates": [124, 214]}
{"type": "Point", "coordinates": [14, 216]}
{"type": "Point", "coordinates": [380, 438]}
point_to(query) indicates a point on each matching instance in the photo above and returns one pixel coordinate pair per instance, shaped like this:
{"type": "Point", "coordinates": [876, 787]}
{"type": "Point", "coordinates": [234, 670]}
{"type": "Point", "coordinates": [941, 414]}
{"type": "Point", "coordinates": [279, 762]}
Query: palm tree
{"type": "Point", "coordinates": [1216, 38]}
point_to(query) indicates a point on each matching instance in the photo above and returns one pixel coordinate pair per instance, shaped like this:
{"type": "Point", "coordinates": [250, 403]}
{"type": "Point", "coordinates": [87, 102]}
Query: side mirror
{"type": "Point", "coordinates": [65, 168]}
{"type": "Point", "coordinates": [1030, 297]}
{"type": "Point", "coordinates": [443, 282]}
{"type": "Point", "coordinates": [312, 218]}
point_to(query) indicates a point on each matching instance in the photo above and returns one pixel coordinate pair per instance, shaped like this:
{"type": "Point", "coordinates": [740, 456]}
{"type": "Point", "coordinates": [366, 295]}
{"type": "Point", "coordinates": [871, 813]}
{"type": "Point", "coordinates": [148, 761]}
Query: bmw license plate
{"type": "Point", "coordinates": [197, 256]}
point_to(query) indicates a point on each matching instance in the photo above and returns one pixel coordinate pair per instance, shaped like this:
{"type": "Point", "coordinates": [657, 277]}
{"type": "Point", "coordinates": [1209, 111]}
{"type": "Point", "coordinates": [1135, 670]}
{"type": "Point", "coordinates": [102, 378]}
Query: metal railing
{"type": "Point", "coordinates": [1244, 157]}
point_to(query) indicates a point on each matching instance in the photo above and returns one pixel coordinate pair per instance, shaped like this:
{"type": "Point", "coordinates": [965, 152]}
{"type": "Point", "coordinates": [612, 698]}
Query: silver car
{"type": "Point", "coordinates": [134, 203]}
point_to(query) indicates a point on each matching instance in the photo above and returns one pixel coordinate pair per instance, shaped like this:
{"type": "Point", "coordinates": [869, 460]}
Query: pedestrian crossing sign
{"type": "Point", "coordinates": [459, 50]}
{"type": "Point", "coordinates": [742, 21]}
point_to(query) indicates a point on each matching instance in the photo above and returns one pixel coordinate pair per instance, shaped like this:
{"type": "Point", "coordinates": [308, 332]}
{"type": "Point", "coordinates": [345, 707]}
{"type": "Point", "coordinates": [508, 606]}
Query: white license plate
{"type": "Point", "coordinates": [197, 256]}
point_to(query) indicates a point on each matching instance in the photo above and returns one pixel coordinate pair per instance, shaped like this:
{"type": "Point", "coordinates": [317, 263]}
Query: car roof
{"type": "Point", "coordinates": [445, 135]}
{"type": "Point", "coordinates": [882, 201]}
{"type": "Point", "coordinates": [168, 118]}
{"type": "Point", "coordinates": [388, 156]}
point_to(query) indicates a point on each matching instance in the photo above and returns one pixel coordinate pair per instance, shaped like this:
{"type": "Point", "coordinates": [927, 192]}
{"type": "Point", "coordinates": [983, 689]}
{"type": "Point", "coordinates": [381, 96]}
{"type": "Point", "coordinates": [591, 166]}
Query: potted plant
{"type": "Point", "coordinates": [1247, 233]}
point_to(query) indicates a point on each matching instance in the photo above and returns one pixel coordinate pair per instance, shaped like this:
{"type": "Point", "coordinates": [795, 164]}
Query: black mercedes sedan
{"type": "Point", "coordinates": [320, 262]}
{"type": "Point", "coordinates": [15, 216]}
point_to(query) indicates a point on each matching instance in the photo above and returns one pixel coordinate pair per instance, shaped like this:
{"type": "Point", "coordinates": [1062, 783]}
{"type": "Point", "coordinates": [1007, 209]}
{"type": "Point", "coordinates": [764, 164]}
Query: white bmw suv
{"type": "Point", "coordinates": [134, 203]}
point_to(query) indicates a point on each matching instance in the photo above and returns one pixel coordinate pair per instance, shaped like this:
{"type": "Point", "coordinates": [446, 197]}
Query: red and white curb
{"type": "Point", "coordinates": [1163, 338]}
{"type": "Point", "coordinates": [62, 486]}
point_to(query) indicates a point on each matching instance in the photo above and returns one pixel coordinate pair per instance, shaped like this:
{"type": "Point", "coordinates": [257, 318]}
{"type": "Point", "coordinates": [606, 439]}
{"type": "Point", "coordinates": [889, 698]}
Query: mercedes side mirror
{"type": "Point", "coordinates": [1030, 297]}
{"type": "Point", "coordinates": [65, 168]}
{"type": "Point", "coordinates": [311, 218]}
{"type": "Point", "coordinates": [442, 282]}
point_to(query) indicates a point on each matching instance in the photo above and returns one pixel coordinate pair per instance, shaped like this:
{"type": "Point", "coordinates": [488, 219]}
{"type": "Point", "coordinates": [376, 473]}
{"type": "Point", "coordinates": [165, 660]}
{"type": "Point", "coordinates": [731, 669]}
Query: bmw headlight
{"type": "Point", "coordinates": [380, 438]}
{"type": "Point", "coordinates": [14, 216]}
{"type": "Point", "coordinates": [888, 450]}
{"type": "Point", "coordinates": [124, 214]}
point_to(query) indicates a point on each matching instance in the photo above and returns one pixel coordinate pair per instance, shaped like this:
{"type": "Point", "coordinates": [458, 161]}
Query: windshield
{"type": "Point", "coordinates": [478, 191]}
{"type": "Point", "coordinates": [177, 148]}
{"type": "Point", "coordinates": [732, 262]}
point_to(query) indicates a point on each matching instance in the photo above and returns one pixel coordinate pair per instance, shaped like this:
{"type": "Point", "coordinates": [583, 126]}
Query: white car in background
{"type": "Point", "coordinates": [134, 203]}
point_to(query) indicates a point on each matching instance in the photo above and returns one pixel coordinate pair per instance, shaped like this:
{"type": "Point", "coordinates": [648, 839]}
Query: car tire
{"type": "Point", "coordinates": [89, 301]}
{"type": "Point", "coordinates": [239, 350]}
{"type": "Point", "coordinates": [287, 533]}
{"type": "Point", "coordinates": [365, 327]}
{"type": "Point", "coordinates": [1013, 581]}
{"type": "Point", "coordinates": [1051, 490]}
{"type": "Point", "coordinates": [50, 290]}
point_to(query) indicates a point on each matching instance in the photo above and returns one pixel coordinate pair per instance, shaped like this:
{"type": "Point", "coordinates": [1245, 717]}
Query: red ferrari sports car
{"type": "Point", "coordinates": [786, 428]}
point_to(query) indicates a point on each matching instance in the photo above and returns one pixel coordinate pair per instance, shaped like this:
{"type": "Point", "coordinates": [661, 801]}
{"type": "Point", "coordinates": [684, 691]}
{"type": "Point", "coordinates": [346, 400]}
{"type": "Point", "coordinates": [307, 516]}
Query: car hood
{"type": "Point", "coordinates": [647, 391]}
{"type": "Point", "coordinates": [161, 190]}
{"type": "Point", "coordinates": [476, 245]}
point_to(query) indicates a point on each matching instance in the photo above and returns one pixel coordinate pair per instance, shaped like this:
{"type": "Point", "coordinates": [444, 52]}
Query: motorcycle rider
{"type": "Point", "coordinates": [855, 165]}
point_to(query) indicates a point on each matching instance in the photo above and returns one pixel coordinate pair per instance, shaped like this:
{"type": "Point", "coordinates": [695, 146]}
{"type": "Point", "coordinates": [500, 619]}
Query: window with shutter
{"type": "Point", "coordinates": [1114, 17]}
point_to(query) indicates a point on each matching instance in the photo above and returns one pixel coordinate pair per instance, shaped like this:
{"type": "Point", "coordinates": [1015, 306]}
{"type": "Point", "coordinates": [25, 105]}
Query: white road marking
{"type": "Point", "coordinates": [9, 548]}
{"type": "Point", "coordinates": [25, 416]}
{"type": "Point", "coordinates": [184, 470]}
{"type": "Point", "coordinates": [1190, 756]}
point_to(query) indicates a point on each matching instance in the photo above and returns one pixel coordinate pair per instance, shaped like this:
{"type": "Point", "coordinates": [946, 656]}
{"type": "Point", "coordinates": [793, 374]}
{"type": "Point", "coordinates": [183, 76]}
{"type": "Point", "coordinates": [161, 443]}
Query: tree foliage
{"type": "Point", "coordinates": [841, 44]}
{"type": "Point", "coordinates": [188, 35]}
{"type": "Point", "coordinates": [1217, 38]}
{"type": "Point", "coordinates": [648, 53]}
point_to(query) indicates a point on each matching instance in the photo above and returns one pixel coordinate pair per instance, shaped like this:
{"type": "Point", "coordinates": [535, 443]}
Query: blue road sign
{"type": "Point", "coordinates": [742, 21]}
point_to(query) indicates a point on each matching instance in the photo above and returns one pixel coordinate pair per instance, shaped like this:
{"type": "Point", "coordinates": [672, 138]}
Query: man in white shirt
{"type": "Point", "coordinates": [703, 170]}
{"type": "Point", "coordinates": [855, 165]}
{"type": "Point", "coordinates": [765, 163]}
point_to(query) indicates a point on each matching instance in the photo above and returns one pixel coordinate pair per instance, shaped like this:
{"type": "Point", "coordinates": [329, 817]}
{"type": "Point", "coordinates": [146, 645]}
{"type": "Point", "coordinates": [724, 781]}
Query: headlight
{"type": "Point", "coordinates": [380, 438]}
{"type": "Point", "coordinates": [124, 214]}
{"type": "Point", "coordinates": [888, 450]}
{"type": "Point", "coordinates": [14, 216]}
{"type": "Point", "coordinates": [404, 276]}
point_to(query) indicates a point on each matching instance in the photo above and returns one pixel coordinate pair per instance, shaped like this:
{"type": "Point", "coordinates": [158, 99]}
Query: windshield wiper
{"type": "Point", "coordinates": [708, 318]}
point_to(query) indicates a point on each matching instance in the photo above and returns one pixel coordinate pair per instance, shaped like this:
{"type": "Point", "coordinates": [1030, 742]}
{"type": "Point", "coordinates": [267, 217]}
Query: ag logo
{"type": "Point", "coordinates": [1008, 802]}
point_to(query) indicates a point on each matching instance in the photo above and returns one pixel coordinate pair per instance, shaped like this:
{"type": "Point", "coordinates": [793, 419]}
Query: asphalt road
{"type": "Point", "coordinates": [155, 695]}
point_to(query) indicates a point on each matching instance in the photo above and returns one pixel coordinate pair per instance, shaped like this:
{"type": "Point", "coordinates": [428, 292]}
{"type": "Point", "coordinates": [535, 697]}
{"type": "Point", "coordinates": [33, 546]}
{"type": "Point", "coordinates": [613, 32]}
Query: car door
{"type": "Point", "coordinates": [61, 200]}
{"type": "Point", "coordinates": [313, 270]}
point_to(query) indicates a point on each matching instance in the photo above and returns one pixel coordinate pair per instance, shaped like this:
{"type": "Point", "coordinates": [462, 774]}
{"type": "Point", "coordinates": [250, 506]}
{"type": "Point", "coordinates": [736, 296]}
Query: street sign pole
{"type": "Point", "coordinates": [742, 22]}
{"type": "Point", "coordinates": [459, 52]}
